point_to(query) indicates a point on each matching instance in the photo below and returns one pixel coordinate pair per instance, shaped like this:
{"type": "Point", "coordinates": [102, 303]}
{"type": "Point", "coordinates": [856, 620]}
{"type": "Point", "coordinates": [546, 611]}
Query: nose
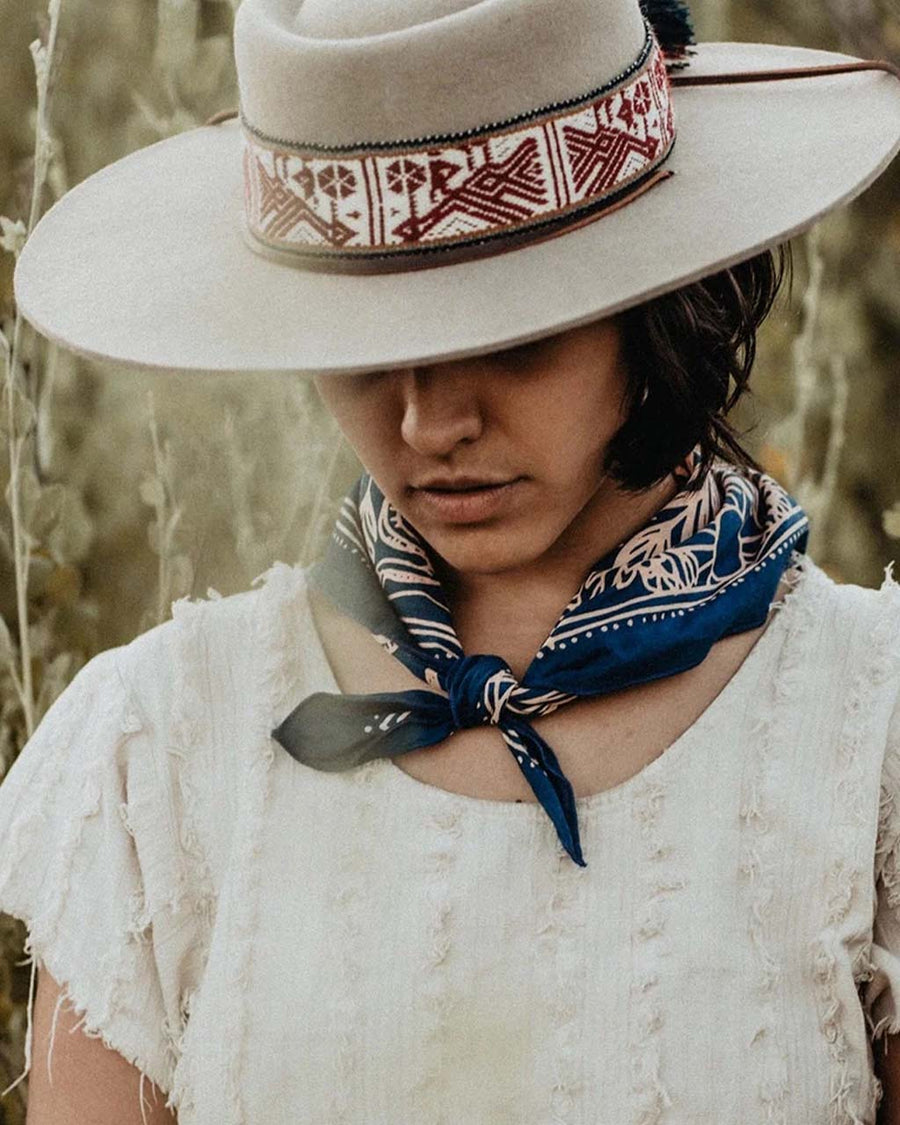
{"type": "Point", "coordinates": [440, 409]}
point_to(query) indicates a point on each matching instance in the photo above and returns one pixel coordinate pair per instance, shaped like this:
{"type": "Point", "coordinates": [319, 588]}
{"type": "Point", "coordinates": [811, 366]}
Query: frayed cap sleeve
{"type": "Point", "coordinates": [89, 859]}
{"type": "Point", "coordinates": [881, 989]}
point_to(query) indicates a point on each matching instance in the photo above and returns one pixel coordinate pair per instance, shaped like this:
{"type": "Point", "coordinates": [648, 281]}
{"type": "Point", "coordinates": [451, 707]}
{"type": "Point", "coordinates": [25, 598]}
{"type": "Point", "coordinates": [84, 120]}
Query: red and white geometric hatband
{"type": "Point", "coordinates": [411, 204]}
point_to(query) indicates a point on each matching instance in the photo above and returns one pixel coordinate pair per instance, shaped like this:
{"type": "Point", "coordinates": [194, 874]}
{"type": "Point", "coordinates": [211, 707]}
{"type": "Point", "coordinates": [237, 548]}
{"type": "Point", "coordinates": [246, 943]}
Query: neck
{"type": "Point", "coordinates": [515, 609]}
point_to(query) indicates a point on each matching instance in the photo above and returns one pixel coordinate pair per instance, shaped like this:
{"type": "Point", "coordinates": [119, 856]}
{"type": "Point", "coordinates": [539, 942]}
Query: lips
{"type": "Point", "coordinates": [461, 484]}
{"type": "Point", "coordinates": [462, 487]}
{"type": "Point", "coordinates": [471, 504]}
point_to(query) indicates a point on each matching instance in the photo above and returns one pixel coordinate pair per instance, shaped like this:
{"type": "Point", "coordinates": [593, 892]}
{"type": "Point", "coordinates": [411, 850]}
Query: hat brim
{"type": "Point", "coordinates": [143, 264]}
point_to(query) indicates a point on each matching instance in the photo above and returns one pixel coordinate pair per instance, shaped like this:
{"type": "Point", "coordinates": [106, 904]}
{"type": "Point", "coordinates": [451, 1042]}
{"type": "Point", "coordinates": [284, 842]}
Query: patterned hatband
{"type": "Point", "coordinates": [379, 207]}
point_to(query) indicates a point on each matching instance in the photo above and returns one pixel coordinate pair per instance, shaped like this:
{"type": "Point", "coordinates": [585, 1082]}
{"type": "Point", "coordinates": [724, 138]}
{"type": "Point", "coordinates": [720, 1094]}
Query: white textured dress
{"type": "Point", "coordinates": [273, 945]}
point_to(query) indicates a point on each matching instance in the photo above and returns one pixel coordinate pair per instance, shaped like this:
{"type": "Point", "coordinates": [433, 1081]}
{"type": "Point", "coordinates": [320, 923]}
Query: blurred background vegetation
{"type": "Point", "coordinates": [137, 489]}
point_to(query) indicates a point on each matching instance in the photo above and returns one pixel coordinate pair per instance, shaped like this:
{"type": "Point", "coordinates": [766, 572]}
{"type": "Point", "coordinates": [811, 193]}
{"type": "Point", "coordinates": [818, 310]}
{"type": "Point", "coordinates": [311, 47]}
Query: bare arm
{"type": "Point", "coordinates": [90, 1081]}
{"type": "Point", "coordinates": [887, 1067]}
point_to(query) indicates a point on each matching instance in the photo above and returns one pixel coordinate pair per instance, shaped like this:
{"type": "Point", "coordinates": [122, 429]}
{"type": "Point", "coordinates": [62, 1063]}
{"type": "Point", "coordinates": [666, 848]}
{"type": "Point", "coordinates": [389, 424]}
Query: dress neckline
{"type": "Point", "coordinates": [803, 569]}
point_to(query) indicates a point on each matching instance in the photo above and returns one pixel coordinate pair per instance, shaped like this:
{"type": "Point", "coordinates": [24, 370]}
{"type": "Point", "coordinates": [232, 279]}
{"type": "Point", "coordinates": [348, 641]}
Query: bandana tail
{"type": "Point", "coordinates": [550, 785]}
{"type": "Point", "coordinates": [333, 732]}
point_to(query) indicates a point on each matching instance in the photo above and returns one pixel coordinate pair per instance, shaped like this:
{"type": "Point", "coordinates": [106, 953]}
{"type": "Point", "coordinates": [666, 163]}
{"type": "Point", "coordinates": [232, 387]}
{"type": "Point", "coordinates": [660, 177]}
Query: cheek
{"type": "Point", "coordinates": [567, 423]}
{"type": "Point", "coordinates": [364, 414]}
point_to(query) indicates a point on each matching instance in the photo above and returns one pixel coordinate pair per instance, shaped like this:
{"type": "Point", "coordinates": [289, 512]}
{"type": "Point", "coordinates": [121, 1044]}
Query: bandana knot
{"type": "Point", "coordinates": [479, 688]}
{"type": "Point", "coordinates": [705, 565]}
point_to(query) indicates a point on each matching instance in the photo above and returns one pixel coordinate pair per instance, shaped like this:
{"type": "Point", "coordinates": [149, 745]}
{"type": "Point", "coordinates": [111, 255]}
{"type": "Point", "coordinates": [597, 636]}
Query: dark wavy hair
{"type": "Point", "coordinates": [689, 354]}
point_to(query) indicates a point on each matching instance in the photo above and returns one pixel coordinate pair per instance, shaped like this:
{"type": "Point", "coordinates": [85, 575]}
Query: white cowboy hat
{"type": "Point", "coordinates": [418, 180]}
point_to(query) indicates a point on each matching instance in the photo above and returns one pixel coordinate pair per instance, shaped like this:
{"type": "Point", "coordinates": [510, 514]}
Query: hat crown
{"type": "Point", "coordinates": [360, 19]}
{"type": "Point", "coordinates": [357, 72]}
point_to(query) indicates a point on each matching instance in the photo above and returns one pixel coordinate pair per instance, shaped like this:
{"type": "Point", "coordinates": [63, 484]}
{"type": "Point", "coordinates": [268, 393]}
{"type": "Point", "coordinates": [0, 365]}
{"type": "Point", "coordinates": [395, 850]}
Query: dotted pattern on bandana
{"type": "Point", "coordinates": [324, 201]}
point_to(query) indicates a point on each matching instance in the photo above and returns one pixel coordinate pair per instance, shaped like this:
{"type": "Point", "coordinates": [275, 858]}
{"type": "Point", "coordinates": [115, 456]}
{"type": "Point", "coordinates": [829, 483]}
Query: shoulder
{"type": "Point", "coordinates": [832, 671]}
{"type": "Point", "coordinates": [849, 624]}
{"type": "Point", "coordinates": [870, 602]}
{"type": "Point", "coordinates": [203, 642]}
{"type": "Point", "coordinates": [852, 663]}
{"type": "Point", "coordinates": [203, 683]}
{"type": "Point", "coordinates": [217, 656]}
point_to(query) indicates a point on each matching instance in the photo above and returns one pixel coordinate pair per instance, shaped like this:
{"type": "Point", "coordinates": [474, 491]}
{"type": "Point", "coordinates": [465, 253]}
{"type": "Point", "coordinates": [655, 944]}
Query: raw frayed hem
{"type": "Point", "coordinates": [86, 1023]}
{"type": "Point", "coordinates": [887, 1025]}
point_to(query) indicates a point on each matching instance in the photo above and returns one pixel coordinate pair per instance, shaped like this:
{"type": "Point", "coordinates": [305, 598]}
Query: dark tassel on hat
{"type": "Point", "coordinates": [671, 22]}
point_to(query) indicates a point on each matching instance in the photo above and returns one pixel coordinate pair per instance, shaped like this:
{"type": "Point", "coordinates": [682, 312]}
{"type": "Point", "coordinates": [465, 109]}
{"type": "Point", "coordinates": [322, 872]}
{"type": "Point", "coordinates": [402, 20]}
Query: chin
{"type": "Point", "coordinates": [478, 549]}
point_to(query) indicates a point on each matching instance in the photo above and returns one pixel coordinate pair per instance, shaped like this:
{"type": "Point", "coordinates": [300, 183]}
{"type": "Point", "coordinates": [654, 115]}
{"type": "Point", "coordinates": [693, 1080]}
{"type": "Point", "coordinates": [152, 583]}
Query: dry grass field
{"type": "Point", "coordinates": [123, 492]}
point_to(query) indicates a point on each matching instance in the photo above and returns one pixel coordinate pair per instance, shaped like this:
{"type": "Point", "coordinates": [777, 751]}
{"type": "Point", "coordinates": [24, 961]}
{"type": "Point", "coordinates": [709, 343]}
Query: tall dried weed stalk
{"type": "Point", "coordinates": [816, 492]}
{"type": "Point", "coordinates": [201, 477]}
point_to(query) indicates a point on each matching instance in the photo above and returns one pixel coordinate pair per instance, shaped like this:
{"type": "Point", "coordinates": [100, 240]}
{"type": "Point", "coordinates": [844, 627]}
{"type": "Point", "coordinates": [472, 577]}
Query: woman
{"type": "Point", "coordinates": [323, 887]}
{"type": "Point", "coordinates": [549, 421]}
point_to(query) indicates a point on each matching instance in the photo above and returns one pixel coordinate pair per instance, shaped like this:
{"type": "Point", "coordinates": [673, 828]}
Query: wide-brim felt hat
{"type": "Point", "coordinates": [411, 181]}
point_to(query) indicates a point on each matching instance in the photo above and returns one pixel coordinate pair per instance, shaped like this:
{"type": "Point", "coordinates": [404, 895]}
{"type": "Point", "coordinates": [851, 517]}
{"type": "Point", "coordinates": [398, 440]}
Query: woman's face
{"type": "Point", "coordinates": [534, 420]}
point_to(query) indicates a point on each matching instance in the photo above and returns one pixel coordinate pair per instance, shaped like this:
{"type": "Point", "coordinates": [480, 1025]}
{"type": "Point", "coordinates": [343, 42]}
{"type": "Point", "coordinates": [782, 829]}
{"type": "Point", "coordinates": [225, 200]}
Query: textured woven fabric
{"type": "Point", "coordinates": [277, 945]}
{"type": "Point", "coordinates": [704, 566]}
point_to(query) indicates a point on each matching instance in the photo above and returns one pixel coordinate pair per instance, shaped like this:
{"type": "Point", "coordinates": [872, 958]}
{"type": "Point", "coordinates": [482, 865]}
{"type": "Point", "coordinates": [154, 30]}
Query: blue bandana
{"type": "Point", "coordinates": [704, 566]}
